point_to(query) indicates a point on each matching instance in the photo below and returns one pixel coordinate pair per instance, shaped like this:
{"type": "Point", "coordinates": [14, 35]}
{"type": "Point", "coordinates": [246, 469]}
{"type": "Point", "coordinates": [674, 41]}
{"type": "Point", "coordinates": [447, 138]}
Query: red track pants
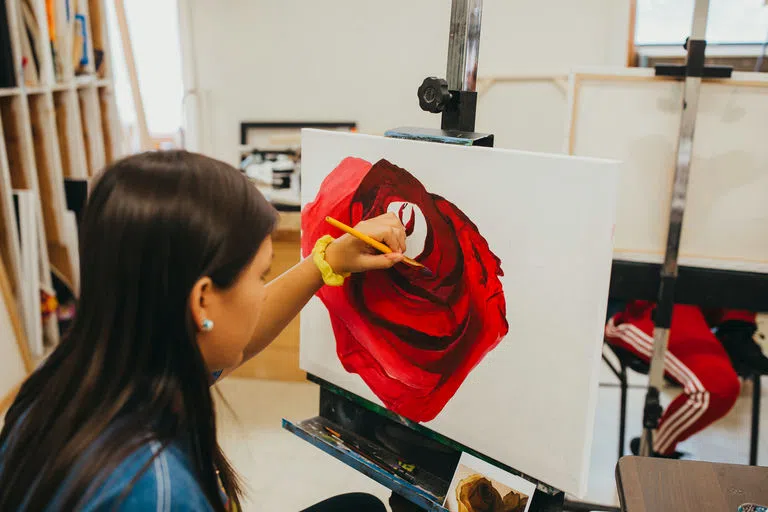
{"type": "Point", "coordinates": [695, 359]}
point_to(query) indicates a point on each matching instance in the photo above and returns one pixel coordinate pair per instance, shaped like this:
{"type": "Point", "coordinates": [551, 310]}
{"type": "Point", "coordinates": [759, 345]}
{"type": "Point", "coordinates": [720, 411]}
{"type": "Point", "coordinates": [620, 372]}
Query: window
{"type": "Point", "coordinates": [154, 31]}
{"type": "Point", "coordinates": [730, 21]}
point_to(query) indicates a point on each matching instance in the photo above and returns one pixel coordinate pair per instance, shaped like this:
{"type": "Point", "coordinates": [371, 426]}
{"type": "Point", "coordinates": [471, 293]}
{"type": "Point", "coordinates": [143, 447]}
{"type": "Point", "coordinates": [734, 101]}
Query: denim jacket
{"type": "Point", "coordinates": [167, 485]}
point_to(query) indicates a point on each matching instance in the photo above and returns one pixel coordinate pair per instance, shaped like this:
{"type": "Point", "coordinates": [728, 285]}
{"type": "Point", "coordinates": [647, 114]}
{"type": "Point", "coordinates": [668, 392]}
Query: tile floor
{"type": "Point", "coordinates": [283, 472]}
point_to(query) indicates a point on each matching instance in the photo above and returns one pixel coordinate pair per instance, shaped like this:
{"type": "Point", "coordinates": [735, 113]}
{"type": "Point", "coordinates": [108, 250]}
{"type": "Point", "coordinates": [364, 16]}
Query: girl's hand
{"type": "Point", "coordinates": [348, 254]}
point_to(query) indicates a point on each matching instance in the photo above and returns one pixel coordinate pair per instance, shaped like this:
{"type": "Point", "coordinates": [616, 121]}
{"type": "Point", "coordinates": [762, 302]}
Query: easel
{"type": "Point", "coordinates": [692, 73]}
{"type": "Point", "coordinates": [377, 441]}
{"type": "Point", "coordinates": [363, 435]}
{"type": "Point", "coordinates": [670, 283]}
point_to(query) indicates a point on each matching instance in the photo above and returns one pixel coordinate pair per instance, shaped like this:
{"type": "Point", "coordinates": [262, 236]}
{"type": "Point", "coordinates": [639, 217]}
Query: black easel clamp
{"type": "Point", "coordinates": [695, 64]}
{"type": "Point", "coordinates": [460, 112]}
{"type": "Point", "coordinates": [458, 108]}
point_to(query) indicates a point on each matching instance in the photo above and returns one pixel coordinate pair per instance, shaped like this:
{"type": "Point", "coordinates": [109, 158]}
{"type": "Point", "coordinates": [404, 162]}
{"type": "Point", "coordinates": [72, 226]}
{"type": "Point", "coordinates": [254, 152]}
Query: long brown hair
{"type": "Point", "coordinates": [130, 370]}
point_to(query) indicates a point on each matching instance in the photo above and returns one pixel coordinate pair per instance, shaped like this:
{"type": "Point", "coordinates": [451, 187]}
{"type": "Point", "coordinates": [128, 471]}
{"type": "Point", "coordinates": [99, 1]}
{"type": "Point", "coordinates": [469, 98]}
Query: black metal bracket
{"type": "Point", "coordinates": [460, 112]}
{"type": "Point", "coordinates": [694, 65]}
{"type": "Point", "coordinates": [705, 287]}
{"type": "Point", "coordinates": [652, 410]}
{"type": "Point", "coordinates": [458, 108]}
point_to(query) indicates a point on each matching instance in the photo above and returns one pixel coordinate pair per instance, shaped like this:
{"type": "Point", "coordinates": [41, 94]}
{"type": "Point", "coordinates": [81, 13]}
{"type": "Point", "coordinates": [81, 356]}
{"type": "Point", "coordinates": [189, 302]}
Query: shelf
{"type": "Point", "coordinates": [62, 126]}
{"type": "Point", "coordinates": [63, 86]}
{"type": "Point", "coordinates": [82, 83]}
{"type": "Point", "coordinates": [37, 89]}
{"type": "Point", "coordinates": [89, 82]}
{"type": "Point", "coordinates": [85, 81]}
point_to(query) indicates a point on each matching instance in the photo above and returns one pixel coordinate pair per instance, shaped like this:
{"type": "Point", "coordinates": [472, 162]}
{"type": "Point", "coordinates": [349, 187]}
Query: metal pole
{"type": "Point", "coordinates": [455, 97]}
{"type": "Point", "coordinates": [754, 438]}
{"type": "Point", "coordinates": [464, 44]}
{"type": "Point", "coordinates": [665, 303]}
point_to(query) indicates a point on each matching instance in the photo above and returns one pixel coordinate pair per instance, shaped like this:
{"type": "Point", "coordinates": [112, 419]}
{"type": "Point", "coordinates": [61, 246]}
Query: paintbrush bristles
{"type": "Point", "coordinates": [376, 244]}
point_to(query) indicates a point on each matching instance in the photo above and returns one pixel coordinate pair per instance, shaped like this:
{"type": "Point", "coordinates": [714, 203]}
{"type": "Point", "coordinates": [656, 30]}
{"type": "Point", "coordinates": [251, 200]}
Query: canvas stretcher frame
{"type": "Point", "coordinates": [719, 97]}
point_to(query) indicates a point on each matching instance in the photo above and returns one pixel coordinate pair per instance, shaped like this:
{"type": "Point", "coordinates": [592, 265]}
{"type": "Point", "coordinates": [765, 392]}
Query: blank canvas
{"type": "Point", "coordinates": [26, 213]}
{"type": "Point", "coordinates": [530, 402]}
{"type": "Point", "coordinates": [631, 116]}
{"type": "Point", "coordinates": [12, 368]}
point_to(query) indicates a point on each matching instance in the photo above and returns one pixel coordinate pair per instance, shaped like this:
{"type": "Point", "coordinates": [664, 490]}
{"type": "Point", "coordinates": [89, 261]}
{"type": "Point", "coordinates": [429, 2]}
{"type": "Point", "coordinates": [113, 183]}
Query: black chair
{"type": "Point", "coordinates": [628, 360]}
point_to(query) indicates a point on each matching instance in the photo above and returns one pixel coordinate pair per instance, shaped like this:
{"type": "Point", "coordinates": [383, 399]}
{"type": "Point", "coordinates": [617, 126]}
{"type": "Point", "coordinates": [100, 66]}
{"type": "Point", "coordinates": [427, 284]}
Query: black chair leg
{"type": "Point", "coordinates": [623, 411]}
{"type": "Point", "coordinates": [755, 420]}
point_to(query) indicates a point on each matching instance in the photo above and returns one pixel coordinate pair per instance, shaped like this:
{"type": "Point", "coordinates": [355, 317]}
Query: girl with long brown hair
{"type": "Point", "coordinates": [174, 250]}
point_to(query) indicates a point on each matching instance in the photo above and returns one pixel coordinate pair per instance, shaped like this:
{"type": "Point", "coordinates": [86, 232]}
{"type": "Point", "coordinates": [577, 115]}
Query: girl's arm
{"type": "Point", "coordinates": [287, 294]}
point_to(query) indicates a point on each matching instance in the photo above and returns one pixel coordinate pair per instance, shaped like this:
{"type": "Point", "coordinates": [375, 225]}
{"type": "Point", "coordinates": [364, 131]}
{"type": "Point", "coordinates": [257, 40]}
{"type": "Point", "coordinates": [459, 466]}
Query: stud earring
{"type": "Point", "coordinates": [207, 325]}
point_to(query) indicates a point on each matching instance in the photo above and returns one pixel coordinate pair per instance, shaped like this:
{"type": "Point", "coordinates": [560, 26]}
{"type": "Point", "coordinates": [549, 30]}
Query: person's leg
{"type": "Point", "coordinates": [715, 383]}
{"type": "Point", "coordinates": [694, 358]}
{"type": "Point", "coordinates": [349, 503]}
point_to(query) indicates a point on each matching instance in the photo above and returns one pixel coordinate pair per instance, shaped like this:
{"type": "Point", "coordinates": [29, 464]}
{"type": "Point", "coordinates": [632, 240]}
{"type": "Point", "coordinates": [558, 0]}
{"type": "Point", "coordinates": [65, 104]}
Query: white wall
{"type": "Point", "coordinates": [356, 60]}
{"type": "Point", "coordinates": [155, 40]}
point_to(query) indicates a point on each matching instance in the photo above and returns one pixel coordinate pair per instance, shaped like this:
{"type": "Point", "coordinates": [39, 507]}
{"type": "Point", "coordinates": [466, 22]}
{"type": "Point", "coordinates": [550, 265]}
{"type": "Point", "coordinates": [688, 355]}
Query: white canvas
{"type": "Point", "coordinates": [631, 116]}
{"type": "Point", "coordinates": [12, 371]}
{"type": "Point", "coordinates": [530, 402]}
{"type": "Point", "coordinates": [30, 267]}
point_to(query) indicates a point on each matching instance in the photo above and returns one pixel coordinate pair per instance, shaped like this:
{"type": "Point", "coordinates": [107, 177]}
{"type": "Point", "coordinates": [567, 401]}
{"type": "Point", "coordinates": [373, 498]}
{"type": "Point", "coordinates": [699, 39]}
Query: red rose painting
{"type": "Point", "coordinates": [412, 338]}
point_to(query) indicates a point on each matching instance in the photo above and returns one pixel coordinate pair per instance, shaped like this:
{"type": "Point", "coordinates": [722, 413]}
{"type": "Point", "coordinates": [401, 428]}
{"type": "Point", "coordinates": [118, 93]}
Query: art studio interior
{"type": "Point", "coordinates": [434, 255]}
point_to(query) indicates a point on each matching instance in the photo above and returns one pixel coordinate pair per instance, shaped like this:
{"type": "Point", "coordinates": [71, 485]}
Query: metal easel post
{"type": "Point", "coordinates": [461, 73]}
{"type": "Point", "coordinates": [694, 71]}
{"type": "Point", "coordinates": [464, 44]}
{"type": "Point", "coordinates": [455, 97]}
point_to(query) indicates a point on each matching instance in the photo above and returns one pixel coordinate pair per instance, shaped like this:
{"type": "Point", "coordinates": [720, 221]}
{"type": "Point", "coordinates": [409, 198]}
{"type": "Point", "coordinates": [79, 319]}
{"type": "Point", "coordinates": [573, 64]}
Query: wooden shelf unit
{"type": "Point", "coordinates": [59, 121]}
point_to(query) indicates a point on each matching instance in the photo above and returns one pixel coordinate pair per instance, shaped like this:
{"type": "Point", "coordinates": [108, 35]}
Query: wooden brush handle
{"type": "Point", "coordinates": [357, 234]}
{"type": "Point", "coordinates": [370, 241]}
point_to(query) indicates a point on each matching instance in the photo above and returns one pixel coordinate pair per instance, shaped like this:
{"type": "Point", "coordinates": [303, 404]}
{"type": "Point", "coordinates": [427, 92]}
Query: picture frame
{"type": "Point", "coordinates": [270, 155]}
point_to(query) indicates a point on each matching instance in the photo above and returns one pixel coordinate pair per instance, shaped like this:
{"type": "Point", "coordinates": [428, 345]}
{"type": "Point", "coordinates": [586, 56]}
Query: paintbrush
{"type": "Point", "coordinates": [376, 244]}
{"type": "Point", "coordinates": [386, 466]}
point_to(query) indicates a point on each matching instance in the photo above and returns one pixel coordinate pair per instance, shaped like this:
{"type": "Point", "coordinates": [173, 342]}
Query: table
{"type": "Point", "coordinates": [657, 485]}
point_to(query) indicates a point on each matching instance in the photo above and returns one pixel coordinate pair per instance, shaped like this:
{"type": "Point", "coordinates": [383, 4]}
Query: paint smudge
{"type": "Point", "coordinates": [413, 339]}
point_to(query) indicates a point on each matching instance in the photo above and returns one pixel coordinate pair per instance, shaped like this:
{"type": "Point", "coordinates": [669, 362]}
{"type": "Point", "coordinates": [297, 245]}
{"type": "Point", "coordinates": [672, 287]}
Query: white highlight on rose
{"type": "Point", "coordinates": [417, 239]}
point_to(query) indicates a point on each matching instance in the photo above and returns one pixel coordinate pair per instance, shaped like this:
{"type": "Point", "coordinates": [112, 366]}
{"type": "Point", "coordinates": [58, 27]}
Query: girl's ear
{"type": "Point", "coordinates": [200, 302]}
